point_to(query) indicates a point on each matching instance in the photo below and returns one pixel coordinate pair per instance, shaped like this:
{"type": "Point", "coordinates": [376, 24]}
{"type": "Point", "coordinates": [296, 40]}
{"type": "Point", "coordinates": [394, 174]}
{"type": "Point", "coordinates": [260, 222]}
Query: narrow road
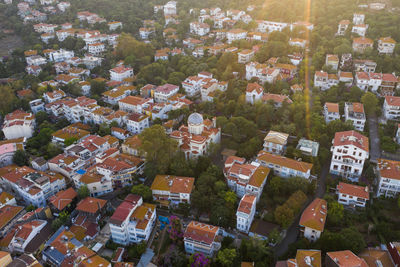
{"type": "Point", "coordinates": [293, 230]}
{"type": "Point", "coordinates": [375, 151]}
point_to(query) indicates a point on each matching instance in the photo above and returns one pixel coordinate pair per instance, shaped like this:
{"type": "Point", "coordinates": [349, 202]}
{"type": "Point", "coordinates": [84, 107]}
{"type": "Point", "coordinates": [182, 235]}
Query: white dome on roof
{"type": "Point", "coordinates": [195, 118]}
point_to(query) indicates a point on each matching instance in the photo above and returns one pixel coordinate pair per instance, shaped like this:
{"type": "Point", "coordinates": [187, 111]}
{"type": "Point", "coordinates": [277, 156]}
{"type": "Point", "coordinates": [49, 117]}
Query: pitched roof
{"type": "Point", "coordinates": [314, 216]}
{"type": "Point", "coordinates": [285, 162]}
{"type": "Point", "coordinates": [91, 204]}
{"type": "Point", "coordinates": [373, 256]}
{"type": "Point", "coordinates": [246, 203]}
{"type": "Point", "coordinates": [276, 137]}
{"type": "Point", "coordinates": [353, 190]}
{"type": "Point", "coordinates": [7, 213]}
{"type": "Point", "coordinates": [307, 258]}
{"type": "Point", "coordinates": [393, 100]}
{"type": "Point", "coordinates": [332, 107]}
{"type": "Point", "coordinates": [389, 168]}
{"type": "Point", "coordinates": [351, 138]}
{"type": "Point", "coordinates": [201, 232]}
{"type": "Point", "coordinates": [174, 184]}
{"type": "Point", "coordinates": [346, 258]}
{"type": "Point", "coordinates": [124, 209]}
{"type": "Point", "coordinates": [63, 198]}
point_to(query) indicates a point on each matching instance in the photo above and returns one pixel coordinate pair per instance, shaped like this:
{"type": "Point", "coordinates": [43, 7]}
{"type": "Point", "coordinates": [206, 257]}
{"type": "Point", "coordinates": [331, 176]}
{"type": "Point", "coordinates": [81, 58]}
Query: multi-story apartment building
{"type": "Point", "coordinates": [263, 72]}
{"type": "Point", "coordinates": [342, 27]}
{"type": "Point", "coordinates": [18, 124]}
{"type": "Point", "coordinates": [199, 28]}
{"type": "Point", "coordinates": [275, 142]}
{"type": "Point", "coordinates": [120, 73]}
{"type": "Point", "coordinates": [388, 178]}
{"type": "Point", "coordinates": [350, 149]}
{"type": "Point", "coordinates": [352, 195]}
{"type": "Point", "coordinates": [245, 178]}
{"type": "Point", "coordinates": [163, 92]}
{"type": "Point", "coordinates": [361, 44]}
{"type": "Point", "coordinates": [254, 93]}
{"type": "Point", "coordinates": [24, 234]}
{"type": "Point", "coordinates": [245, 56]}
{"type": "Point", "coordinates": [386, 45]}
{"type": "Point", "coordinates": [172, 189]}
{"type": "Point", "coordinates": [136, 123]}
{"type": "Point", "coordinates": [133, 221]}
{"type": "Point", "coordinates": [354, 112]}
{"type": "Point", "coordinates": [202, 238]}
{"type": "Point", "coordinates": [114, 95]}
{"type": "Point", "coordinates": [195, 139]}
{"type": "Point", "coordinates": [8, 148]}
{"type": "Point", "coordinates": [313, 218]}
{"type": "Point", "coordinates": [235, 34]}
{"type": "Point", "coordinates": [284, 167]}
{"type": "Point", "coordinates": [391, 107]}
{"type": "Point", "coordinates": [134, 104]}
{"type": "Point", "coordinates": [245, 213]}
{"type": "Point", "coordinates": [331, 112]}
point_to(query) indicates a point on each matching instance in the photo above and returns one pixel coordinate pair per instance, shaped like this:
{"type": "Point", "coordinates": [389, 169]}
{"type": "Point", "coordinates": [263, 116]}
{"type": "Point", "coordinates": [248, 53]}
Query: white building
{"type": "Point", "coordinates": [114, 25]}
{"type": "Point", "coordinates": [270, 26]}
{"type": "Point", "coordinates": [391, 108]}
{"type": "Point", "coordinates": [60, 55]}
{"type": "Point", "coordinates": [352, 195]}
{"type": "Point", "coordinates": [24, 234]}
{"type": "Point", "coordinates": [245, 213]}
{"type": "Point", "coordinates": [358, 18]}
{"type": "Point", "coordinates": [136, 123]}
{"type": "Point", "coordinates": [360, 29]}
{"type": "Point", "coordinates": [245, 56]}
{"type": "Point", "coordinates": [120, 73]}
{"type": "Point", "coordinates": [133, 221]}
{"type": "Point", "coordinates": [96, 48]}
{"type": "Point", "coordinates": [386, 45]}
{"type": "Point", "coordinates": [199, 28]}
{"type": "Point", "coordinates": [18, 124]}
{"type": "Point", "coordinates": [163, 92]}
{"type": "Point", "coordinates": [254, 93]}
{"type": "Point", "coordinates": [170, 8]}
{"type": "Point", "coordinates": [275, 142]}
{"type": "Point", "coordinates": [388, 178]}
{"type": "Point", "coordinates": [342, 27]}
{"type": "Point", "coordinates": [313, 218]}
{"type": "Point", "coordinates": [134, 104]}
{"type": "Point", "coordinates": [331, 112]}
{"type": "Point", "coordinates": [349, 150]}
{"type": "Point", "coordinates": [201, 237]}
{"type": "Point", "coordinates": [235, 34]}
{"type": "Point", "coordinates": [244, 178]}
{"type": "Point", "coordinates": [263, 72]}
{"type": "Point", "coordinates": [173, 189]}
{"type": "Point", "coordinates": [354, 112]}
{"type": "Point", "coordinates": [321, 80]}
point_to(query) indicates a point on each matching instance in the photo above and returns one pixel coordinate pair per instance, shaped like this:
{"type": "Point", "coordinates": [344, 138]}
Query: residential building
{"type": "Point", "coordinates": [235, 34]}
{"type": "Point", "coordinates": [344, 258]}
{"type": "Point", "coordinates": [313, 218]}
{"type": "Point", "coordinates": [321, 80]}
{"type": "Point", "coordinates": [254, 93]}
{"type": "Point", "coordinates": [120, 73]}
{"type": "Point", "coordinates": [364, 65]}
{"type": "Point", "coordinates": [202, 238]}
{"type": "Point", "coordinates": [8, 148]}
{"type": "Point", "coordinates": [163, 92]}
{"type": "Point", "coordinates": [5, 257]}
{"type": "Point", "coordinates": [331, 112]}
{"type": "Point", "coordinates": [69, 133]}
{"type": "Point", "coordinates": [8, 214]}
{"type": "Point", "coordinates": [304, 258]}
{"type": "Point", "coordinates": [394, 250]}
{"type": "Point", "coordinates": [244, 178]}
{"type": "Point", "coordinates": [308, 147]}
{"type": "Point", "coordinates": [60, 55]}
{"type": "Point", "coordinates": [136, 123]}
{"type": "Point", "coordinates": [36, 105]}
{"type": "Point", "coordinates": [133, 221]}
{"type": "Point", "coordinates": [354, 112]}
{"type": "Point", "coordinates": [360, 29]}
{"type": "Point", "coordinates": [195, 139]}
{"type": "Point", "coordinates": [386, 45]}
{"type": "Point", "coordinates": [7, 199]}
{"type": "Point", "coordinates": [96, 48]}
{"type": "Point", "coordinates": [360, 44]}
{"type": "Point", "coordinates": [245, 212]}
{"type": "Point", "coordinates": [358, 18]}
{"type": "Point", "coordinates": [114, 95]}
{"type": "Point", "coordinates": [172, 189]}
{"type": "Point", "coordinates": [263, 72]}
{"type": "Point", "coordinates": [332, 61]}
{"type": "Point", "coordinates": [22, 236]}
{"type": "Point", "coordinates": [349, 150]}
{"type": "Point", "coordinates": [284, 167]}
{"type": "Point", "coordinates": [352, 195]}
{"type": "Point", "coordinates": [275, 142]}
{"type": "Point", "coordinates": [391, 108]}
{"type": "Point", "coordinates": [199, 28]}
{"type": "Point", "coordinates": [342, 27]}
{"type": "Point", "coordinates": [245, 56]}
{"type": "Point", "coordinates": [145, 33]}
{"type": "Point", "coordinates": [53, 96]}
{"type": "Point", "coordinates": [298, 42]}
{"type": "Point", "coordinates": [63, 199]}
{"type": "Point", "coordinates": [134, 104]}
{"type": "Point", "coordinates": [96, 183]}
{"type": "Point", "coordinates": [33, 70]}
{"type": "Point", "coordinates": [114, 25]}
{"type": "Point", "coordinates": [346, 78]}
{"type": "Point", "coordinates": [388, 178]}
{"type": "Point", "coordinates": [131, 146]}
{"type": "Point", "coordinates": [378, 256]}
{"type": "Point", "coordinates": [18, 124]}
{"type": "Point", "coordinates": [276, 99]}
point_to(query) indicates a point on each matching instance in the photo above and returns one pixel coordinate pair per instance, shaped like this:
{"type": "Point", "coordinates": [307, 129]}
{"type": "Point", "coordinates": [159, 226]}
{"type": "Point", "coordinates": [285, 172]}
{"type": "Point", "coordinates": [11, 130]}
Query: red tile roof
{"type": "Point", "coordinates": [351, 138]}
{"type": "Point", "coordinates": [91, 205]}
{"type": "Point", "coordinates": [63, 198]}
{"type": "Point", "coordinates": [201, 232]}
{"type": "Point", "coordinates": [353, 190]}
{"type": "Point", "coordinates": [314, 216]}
{"type": "Point", "coordinates": [246, 203]}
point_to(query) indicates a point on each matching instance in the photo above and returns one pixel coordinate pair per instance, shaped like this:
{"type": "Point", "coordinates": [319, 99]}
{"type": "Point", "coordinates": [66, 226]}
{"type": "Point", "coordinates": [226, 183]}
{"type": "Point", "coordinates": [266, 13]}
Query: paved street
{"type": "Point", "coordinates": [375, 151]}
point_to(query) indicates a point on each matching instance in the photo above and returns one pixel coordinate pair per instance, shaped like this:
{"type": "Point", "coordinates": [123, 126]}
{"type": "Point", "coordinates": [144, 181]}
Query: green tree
{"type": "Point", "coordinates": [83, 192]}
{"type": "Point", "coordinates": [21, 158]}
{"type": "Point", "coordinates": [69, 141]}
{"type": "Point", "coordinates": [370, 102]}
{"type": "Point", "coordinates": [284, 215]}
{"type": "Point", "coordinates": [335, 212]}
{"type": "Point", "coordinates": [7, 93]}
{"type": "Point", "coordinates": [143, 191]}
{"type": "Point", "coordinates": [226, 257]}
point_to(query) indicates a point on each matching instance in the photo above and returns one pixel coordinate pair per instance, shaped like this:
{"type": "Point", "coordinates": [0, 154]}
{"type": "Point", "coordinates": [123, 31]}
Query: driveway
{"type": "Point", "coordinates": [375, 151]}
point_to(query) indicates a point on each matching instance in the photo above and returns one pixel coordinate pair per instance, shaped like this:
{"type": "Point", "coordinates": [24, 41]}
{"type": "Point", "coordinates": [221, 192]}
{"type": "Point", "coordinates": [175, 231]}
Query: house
{"type": "Point", "coordinates": [277, 99]}
{"type": "Point", "coordinates": [313, 218]}
{"type": "Point", "coordinates": [349, 150]}
{"type": "Point", "coordinates": [343, 258]}
{"type": "Point", "coordinates": [388, 178]}
{"type": "Point", "coordinates": [354, 112]}
{"type": "Point", "coordinates": [352, 195]}
{"type": "Point", "coordinates": [245, 212]}
{"type": "Point", "coordinates": [23, 235]}
{"type": "Point", "coordinates": [199, 28]}
{"type": "Point", "coordinates": [377, 256]}
{"type": "Point", "coordinates": [63, 199]}
{"type": "Point", "coordinates": [170, 8]}
{"type": "Point", "coordinates": [145, 33]}
{"type": "Point", "coordinates": [331, 112]}
{"type": "Point", "coordinates": [7, 199]}
{"type": "Point", "coordinates": [360, 44]}
{"type": "Point", "coordinates": [308, 147]}
{"type": "Point", "coordinates": [193, 85]}
{"type": "Point", "coordinates": [332, 61]}
{"type": "Point", "coordinates": [358, 18]}
{"type": "Point", "coordinates": [120, 133]}
{"type": "Point", "coordinates": [342, 27]}
{"type": "Point", "coordinates": [53, 96]}
{"type": "Point", "coordinates": [96, 48]}
{"type": "Point", "coordinates": [244, 178]}
{"type": "Point", "coordinates": [254, 93]}
{"type": "Point", "coordinates": [163, 92]}
{"type": "Point", "coordinates": [284, 167]}
{"type": "Point", "coordinates": [60, 55]}
{"type": "Point", "coordinates": [298, 42]}
{"type": "Point", "coordinates": [172, 189]}
{"type": "Point", "coordinates": [346, 78]}
{"type": "Point", "coordinates": [364, 65]}
{"type": "Point", "coordinates": [245, 56]}
{"type": "Point", "coordinates": [388, 84]}
{"type": "Point", "coordinates": [33, 70]}
{"type": "Point", "coordinates": [114, 95]}
{"type": "Point", "coordinates": [275, 142]}
{"type": "Point", "coordinates": [36, 105]}
{"type": "Point", "coordinates": [114, 25]}
{"type": "Point", "coordinates": [8, 213]}
{"type": "Point", "coordinates": [36, 60]}
{"type": "Point", "coordinates": [96, 183]}
{"type": "Point", "coordinates": [131, 145]}
{"type": "Point", "coordinates": [91, 208]}
{"type": "Point", "coordinates": [5, 257]}
{"type": "Point", "coordinates": [261, 71]}
{"type": "Point", "coordinates": [386, 45]}
{"type": "Point", "coordinates": [134, 104]}
{"type": "Point", "coordinates": [391, 107]}
{"type": "Point", "coordinates": [360, 29]}
{"type": "Point", "coordinates": [304, 258]}
{"type": "Point", "coordinates": [69, 133]}
{"type": "Point", "coordinates": [136, 123]}
{"type": "Point", "coordinates": [235, 34]}
{"type": "Point", "coordinates": [321, 80]}
{"type": "Point", "coordinates": [201, 237]}
{"type": "Point", "coordinates": [120, 73]}
{"type": "Point", "coordinates": [195, 139]}
{"type": "Point", "coordinates": [18, 124]}
{"type": "Point", "coordinates": [133, 221]}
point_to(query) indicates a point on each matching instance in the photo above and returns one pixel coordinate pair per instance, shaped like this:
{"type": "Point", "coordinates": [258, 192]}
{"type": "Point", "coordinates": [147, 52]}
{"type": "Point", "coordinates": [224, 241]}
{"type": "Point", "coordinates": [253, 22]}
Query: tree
{"type": "Point", "coordinates": [69, 141]}
{"type": "Point", "coordinates": [21, 158]}
{"type": "Point", "coordinates": [226, 256]}
{"type": "Point", "coordinates": [370, 102]}
{"type": "Point", "coordinates": [6, 93]}
{"type": "Point", "coordinates": [83, 192]}
{"type": "Point", "coordinates": [335, 212]}
{"type": "Point", "coordinates": [157, 147]}
{"type": "Point", "coordinates": [284, 215]}
{"type": "Point", "coordinates": [198, 260]}
{"type": "Point", "coordinates": [175, 229]}
{"type": "Point", "coordinates": [143, 191]}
